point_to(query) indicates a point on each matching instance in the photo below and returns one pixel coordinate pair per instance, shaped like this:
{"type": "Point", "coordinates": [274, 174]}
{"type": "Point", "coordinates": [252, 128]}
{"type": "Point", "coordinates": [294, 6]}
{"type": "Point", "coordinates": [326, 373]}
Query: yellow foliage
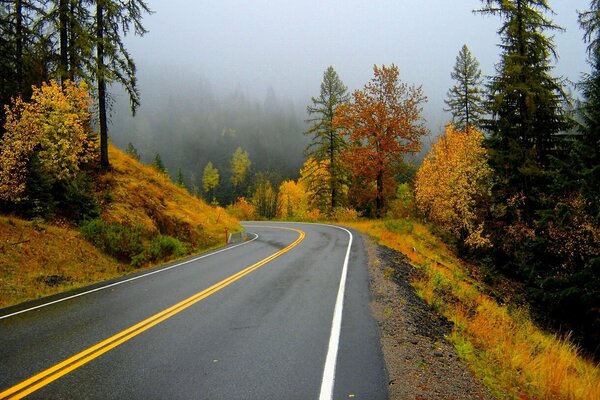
{"type": "Point", "coordinates": [453, 181]}
{"type": "Point", "coordinates": [315, 177]}
{"type": "Point", "coordinates": [141, 196]}
{"type": "Point", "coordinates": [514, 358]}
{"type": "Point", "coordinates": [55, 125]}
{"type": "Point", "coordinates": [243, 210]}
{"type": "Point", "coordinates": [292, 200]}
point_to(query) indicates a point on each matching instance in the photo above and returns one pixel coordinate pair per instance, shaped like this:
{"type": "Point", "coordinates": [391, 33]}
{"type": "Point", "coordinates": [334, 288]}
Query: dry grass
{"type": "Point", "coordinates": [38, 259]}
{"type": "Point", "coordinates": [138, 195]}
{"type": "Point", "coordinates": [505, 349]}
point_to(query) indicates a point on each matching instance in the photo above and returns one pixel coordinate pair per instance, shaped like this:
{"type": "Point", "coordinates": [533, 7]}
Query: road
{"type": "Point", "coordinates": [256, 320]}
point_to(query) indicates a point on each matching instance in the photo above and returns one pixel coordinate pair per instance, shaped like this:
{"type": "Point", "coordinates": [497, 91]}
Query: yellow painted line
{"type": "Point", "coordinates": [51, 374]}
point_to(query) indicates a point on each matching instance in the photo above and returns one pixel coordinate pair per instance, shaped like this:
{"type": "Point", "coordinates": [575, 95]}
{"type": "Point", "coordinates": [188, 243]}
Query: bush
{"type": "Point", "coordinates": [118, 241]}
{"type": "Point", "coordinates": [345, 214]}
{"type": "Point", "coordinates": [164, 247]}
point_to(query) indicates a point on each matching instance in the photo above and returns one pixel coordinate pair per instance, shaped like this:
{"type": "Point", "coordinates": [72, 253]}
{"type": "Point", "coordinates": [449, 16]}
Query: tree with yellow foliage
{"type": "Point", "coordinates": [54, 129]}
{"type": "Point", "coordinates": [293, 200]}
{"type": "Point", "coordinates": [453, 184]}
{"type": "Point", "coordinates": [315, 177]}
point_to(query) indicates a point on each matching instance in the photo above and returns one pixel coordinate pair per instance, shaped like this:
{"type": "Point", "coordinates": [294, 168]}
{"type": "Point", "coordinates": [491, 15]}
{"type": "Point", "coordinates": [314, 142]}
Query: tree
{"type": "Point", "coordinates": [132, 151]}
{"type": "Point", "coordinates": [586, 149]}
{"type": "Point", "coordinates": [465, 98]}
{"type": "Point", "coordinates": [240, 164]}
{"type": "Point", "coordinates": [264, 198]}
{"type": "Point", "coordinates": [326, 142]}
{"type": "Point", "coordinates": [210, 179]}
{"type": "Point", "coordinates": [315, 177]}
{"type": "Point", "coordinates": [383, 122]}
{"type": "Point", "coordinates": [180, 180]}
{"type": "Point", "coordinates": [54, 128]}
{"type": "Point", "coordinates": [158, 164]}
{"type": "Point", "coordinates": [453, 184]}
{"type": "Point", "coordinates": [113, 20]}
{"type": "Point", "coordinates": [526, 104]}
{"type": "Point", "coordinates": [292, 200]}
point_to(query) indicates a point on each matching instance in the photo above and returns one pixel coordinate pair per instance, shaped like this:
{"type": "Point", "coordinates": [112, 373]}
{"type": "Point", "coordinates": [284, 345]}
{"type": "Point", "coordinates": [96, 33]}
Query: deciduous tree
{"type": "Point", "coordinates": [383, 122]}
{"type": "Point", "coordinates": [210, 179]}
{"type": "Point", "coordinates": [452, 186]}
{"type": "Point", "coordinates": [240, 164]}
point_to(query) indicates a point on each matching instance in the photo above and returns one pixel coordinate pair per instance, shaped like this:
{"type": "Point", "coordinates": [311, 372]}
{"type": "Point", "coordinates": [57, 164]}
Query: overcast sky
{"type": "Point", "coordinates": [287, 44]}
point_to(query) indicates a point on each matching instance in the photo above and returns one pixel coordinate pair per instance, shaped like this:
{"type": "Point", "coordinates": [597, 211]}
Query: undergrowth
{"type": "Point", "coordinates": [505, 349]}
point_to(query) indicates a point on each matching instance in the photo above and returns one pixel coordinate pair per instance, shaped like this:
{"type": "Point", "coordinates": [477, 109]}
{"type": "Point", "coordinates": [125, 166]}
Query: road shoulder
{"type": "Point", "coordinates": [421, 364]}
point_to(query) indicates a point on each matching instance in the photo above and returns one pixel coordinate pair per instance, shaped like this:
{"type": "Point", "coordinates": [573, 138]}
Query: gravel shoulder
{"type": "Point", "coordinates": [421, 364]}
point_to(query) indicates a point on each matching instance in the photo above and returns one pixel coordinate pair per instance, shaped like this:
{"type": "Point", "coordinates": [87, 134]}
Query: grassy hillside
{"type": "Point", "coordinates": [505, 349]}
{"type": "Point", "coordinates": [145, 219]}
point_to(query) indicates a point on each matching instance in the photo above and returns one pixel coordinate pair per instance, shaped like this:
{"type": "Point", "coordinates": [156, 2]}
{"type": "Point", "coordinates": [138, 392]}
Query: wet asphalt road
{"type": "Point", "coordinates": [265, 335]}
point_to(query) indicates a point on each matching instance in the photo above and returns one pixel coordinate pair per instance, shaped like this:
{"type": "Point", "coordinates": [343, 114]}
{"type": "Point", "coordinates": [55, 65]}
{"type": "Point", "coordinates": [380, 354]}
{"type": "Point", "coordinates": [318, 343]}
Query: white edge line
{"type": "Point", "coordinates": [327, 383]}
{"type": "Point", "coordinates": [336, 327]}
{"type": "Point", "coordinates": [126, 280]}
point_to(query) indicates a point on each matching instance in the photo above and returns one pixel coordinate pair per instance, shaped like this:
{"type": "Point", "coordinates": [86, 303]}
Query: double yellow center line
{"type": "Point", "coordinates": [51, 374]}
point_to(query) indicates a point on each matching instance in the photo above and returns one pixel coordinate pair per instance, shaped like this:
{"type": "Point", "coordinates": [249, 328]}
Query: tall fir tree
{"type": "Point", "coordinates": [326, 142]}
{"type": "Point", "coordinates": [114, 20]}
{"type": "Point", "coordinates": [465, 98]}
{"type": "Point", "coordinates": [526, 105]}
{"type": "Point", "coordinates": [587, 145]}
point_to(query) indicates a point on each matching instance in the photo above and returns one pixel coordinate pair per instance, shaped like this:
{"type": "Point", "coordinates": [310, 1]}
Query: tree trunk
{"type": "Point", "coordinates": [19, 44]}
{"type": "Point", "coordinates": [332, 172]}
{"type": "Point", "coordinates": [72, 37]}
{"type": "Point", "coordinates": [63, 22]}
{"type": "Point", "coordinates": [104, 164]}
{"type": "Point", "coordinates": [379, 198]}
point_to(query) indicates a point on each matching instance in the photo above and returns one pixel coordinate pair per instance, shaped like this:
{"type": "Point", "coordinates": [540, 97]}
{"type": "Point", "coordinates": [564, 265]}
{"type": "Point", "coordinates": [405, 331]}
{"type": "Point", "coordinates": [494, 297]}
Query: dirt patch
{"type": "Point", "coordinates": [421, 364]}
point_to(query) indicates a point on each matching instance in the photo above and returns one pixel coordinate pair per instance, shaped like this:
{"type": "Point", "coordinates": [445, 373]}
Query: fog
{"type": "Point", "coordinates": [200, 54]}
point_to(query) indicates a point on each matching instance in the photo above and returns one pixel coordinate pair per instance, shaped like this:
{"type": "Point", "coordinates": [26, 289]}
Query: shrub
{"type": "Point", "coordinates": [119, 241]}
{"type": "Point", "coordinates": [345, 214]}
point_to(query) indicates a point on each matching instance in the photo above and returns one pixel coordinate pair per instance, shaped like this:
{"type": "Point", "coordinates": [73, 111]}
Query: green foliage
{"type": "Point", "coordinates": [180, 180]}
{"type": "Point", "coordinates": [118, 241]}
{"type": "Point", "coordinates": [399, 225]}
{"type": "Point", "coordinates": [326, 142]}
{"type": "Point", "coordinates": [132, 151]}
{"type": "Point", "coordinates": [158, 164]}
{"type": "Point", "coordinates": [465, 98]}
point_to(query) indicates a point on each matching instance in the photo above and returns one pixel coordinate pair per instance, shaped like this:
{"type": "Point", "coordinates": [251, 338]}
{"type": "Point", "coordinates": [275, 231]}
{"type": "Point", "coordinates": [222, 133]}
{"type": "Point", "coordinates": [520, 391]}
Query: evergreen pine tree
{"type": "Point", "coordinates": [113, 20]}
{"type": "Point", "coordinates": [158, 164]}
{"type": "Point", "coordinates": [326, 142]}
{"type": "Point", "coordinates": [465, 98]}
{"type": "Point", "coordinates": [526, 104]}
{"type": "Point", "coordinates": [179, 179]}
{"type": "Point", "coordinates": [132, 151]}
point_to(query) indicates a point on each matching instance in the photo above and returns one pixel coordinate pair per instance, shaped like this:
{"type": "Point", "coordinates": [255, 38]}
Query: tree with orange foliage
{"type": "Point", "coordinates": [453, 184]}
{"type": "Point", "coordinates": [383, 122]}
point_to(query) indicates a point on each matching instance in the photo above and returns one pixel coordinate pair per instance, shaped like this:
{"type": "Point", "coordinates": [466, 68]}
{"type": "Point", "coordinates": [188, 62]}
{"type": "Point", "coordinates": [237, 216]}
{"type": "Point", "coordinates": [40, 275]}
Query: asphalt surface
{"type": "Point", "coordinates": [264, 336]}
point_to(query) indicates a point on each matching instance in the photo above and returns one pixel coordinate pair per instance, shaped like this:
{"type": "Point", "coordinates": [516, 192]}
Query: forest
{"type": "Point", "coordinates": [513, 182]}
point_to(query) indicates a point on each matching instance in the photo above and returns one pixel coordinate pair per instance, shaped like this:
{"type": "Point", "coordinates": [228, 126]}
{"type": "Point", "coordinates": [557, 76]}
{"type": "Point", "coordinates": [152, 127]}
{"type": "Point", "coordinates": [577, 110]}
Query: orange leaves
{"type": "Point", "coordinates": [453, 182]}
{"type": "Point", "coordinates": [383, 122]}
{"type": "Point", "coordinates": [55, 125]}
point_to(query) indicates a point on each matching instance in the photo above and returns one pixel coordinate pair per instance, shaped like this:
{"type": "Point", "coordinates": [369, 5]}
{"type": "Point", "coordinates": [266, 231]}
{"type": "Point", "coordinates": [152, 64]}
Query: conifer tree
{"type": "Point", "coordinates": [326, 142]}
{"type": "Point", "coordinates": [465, 98]}
{"type": "Point", "coordinates": [180, 180]}
{"type": "Point", "coordinates": [526, 104]}
{"type": "Point", "coordinates": [114, 20]}
{"type": "Point", "coordinates": [587, 145]}
{"type": "Point", "coordinates": [132, 151]}
{"type": "Point", "coordinates": [158, 164]}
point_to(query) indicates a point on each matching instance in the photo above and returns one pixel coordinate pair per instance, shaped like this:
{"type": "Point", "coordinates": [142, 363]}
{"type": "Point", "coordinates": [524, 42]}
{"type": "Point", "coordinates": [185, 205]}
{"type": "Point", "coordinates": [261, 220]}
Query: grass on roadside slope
{"type": "Point", "coordinates": [145, 218]}
{"type": "Point", "coordinates": [38, 260]}
{"type": "Point", "coordinates": [504, 348]}
{"type": "Point", "coordinates": [137, 195]}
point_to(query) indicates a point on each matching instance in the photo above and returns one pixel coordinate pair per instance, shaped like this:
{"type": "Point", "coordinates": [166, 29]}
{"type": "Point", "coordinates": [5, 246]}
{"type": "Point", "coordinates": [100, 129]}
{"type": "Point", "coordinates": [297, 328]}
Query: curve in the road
{"type": "Point", "coordinates": [53, 373]}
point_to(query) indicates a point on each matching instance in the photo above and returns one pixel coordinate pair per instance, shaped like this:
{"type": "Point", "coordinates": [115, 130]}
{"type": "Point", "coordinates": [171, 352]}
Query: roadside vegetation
{"type": "Point", "coordinates": [499, 340]}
